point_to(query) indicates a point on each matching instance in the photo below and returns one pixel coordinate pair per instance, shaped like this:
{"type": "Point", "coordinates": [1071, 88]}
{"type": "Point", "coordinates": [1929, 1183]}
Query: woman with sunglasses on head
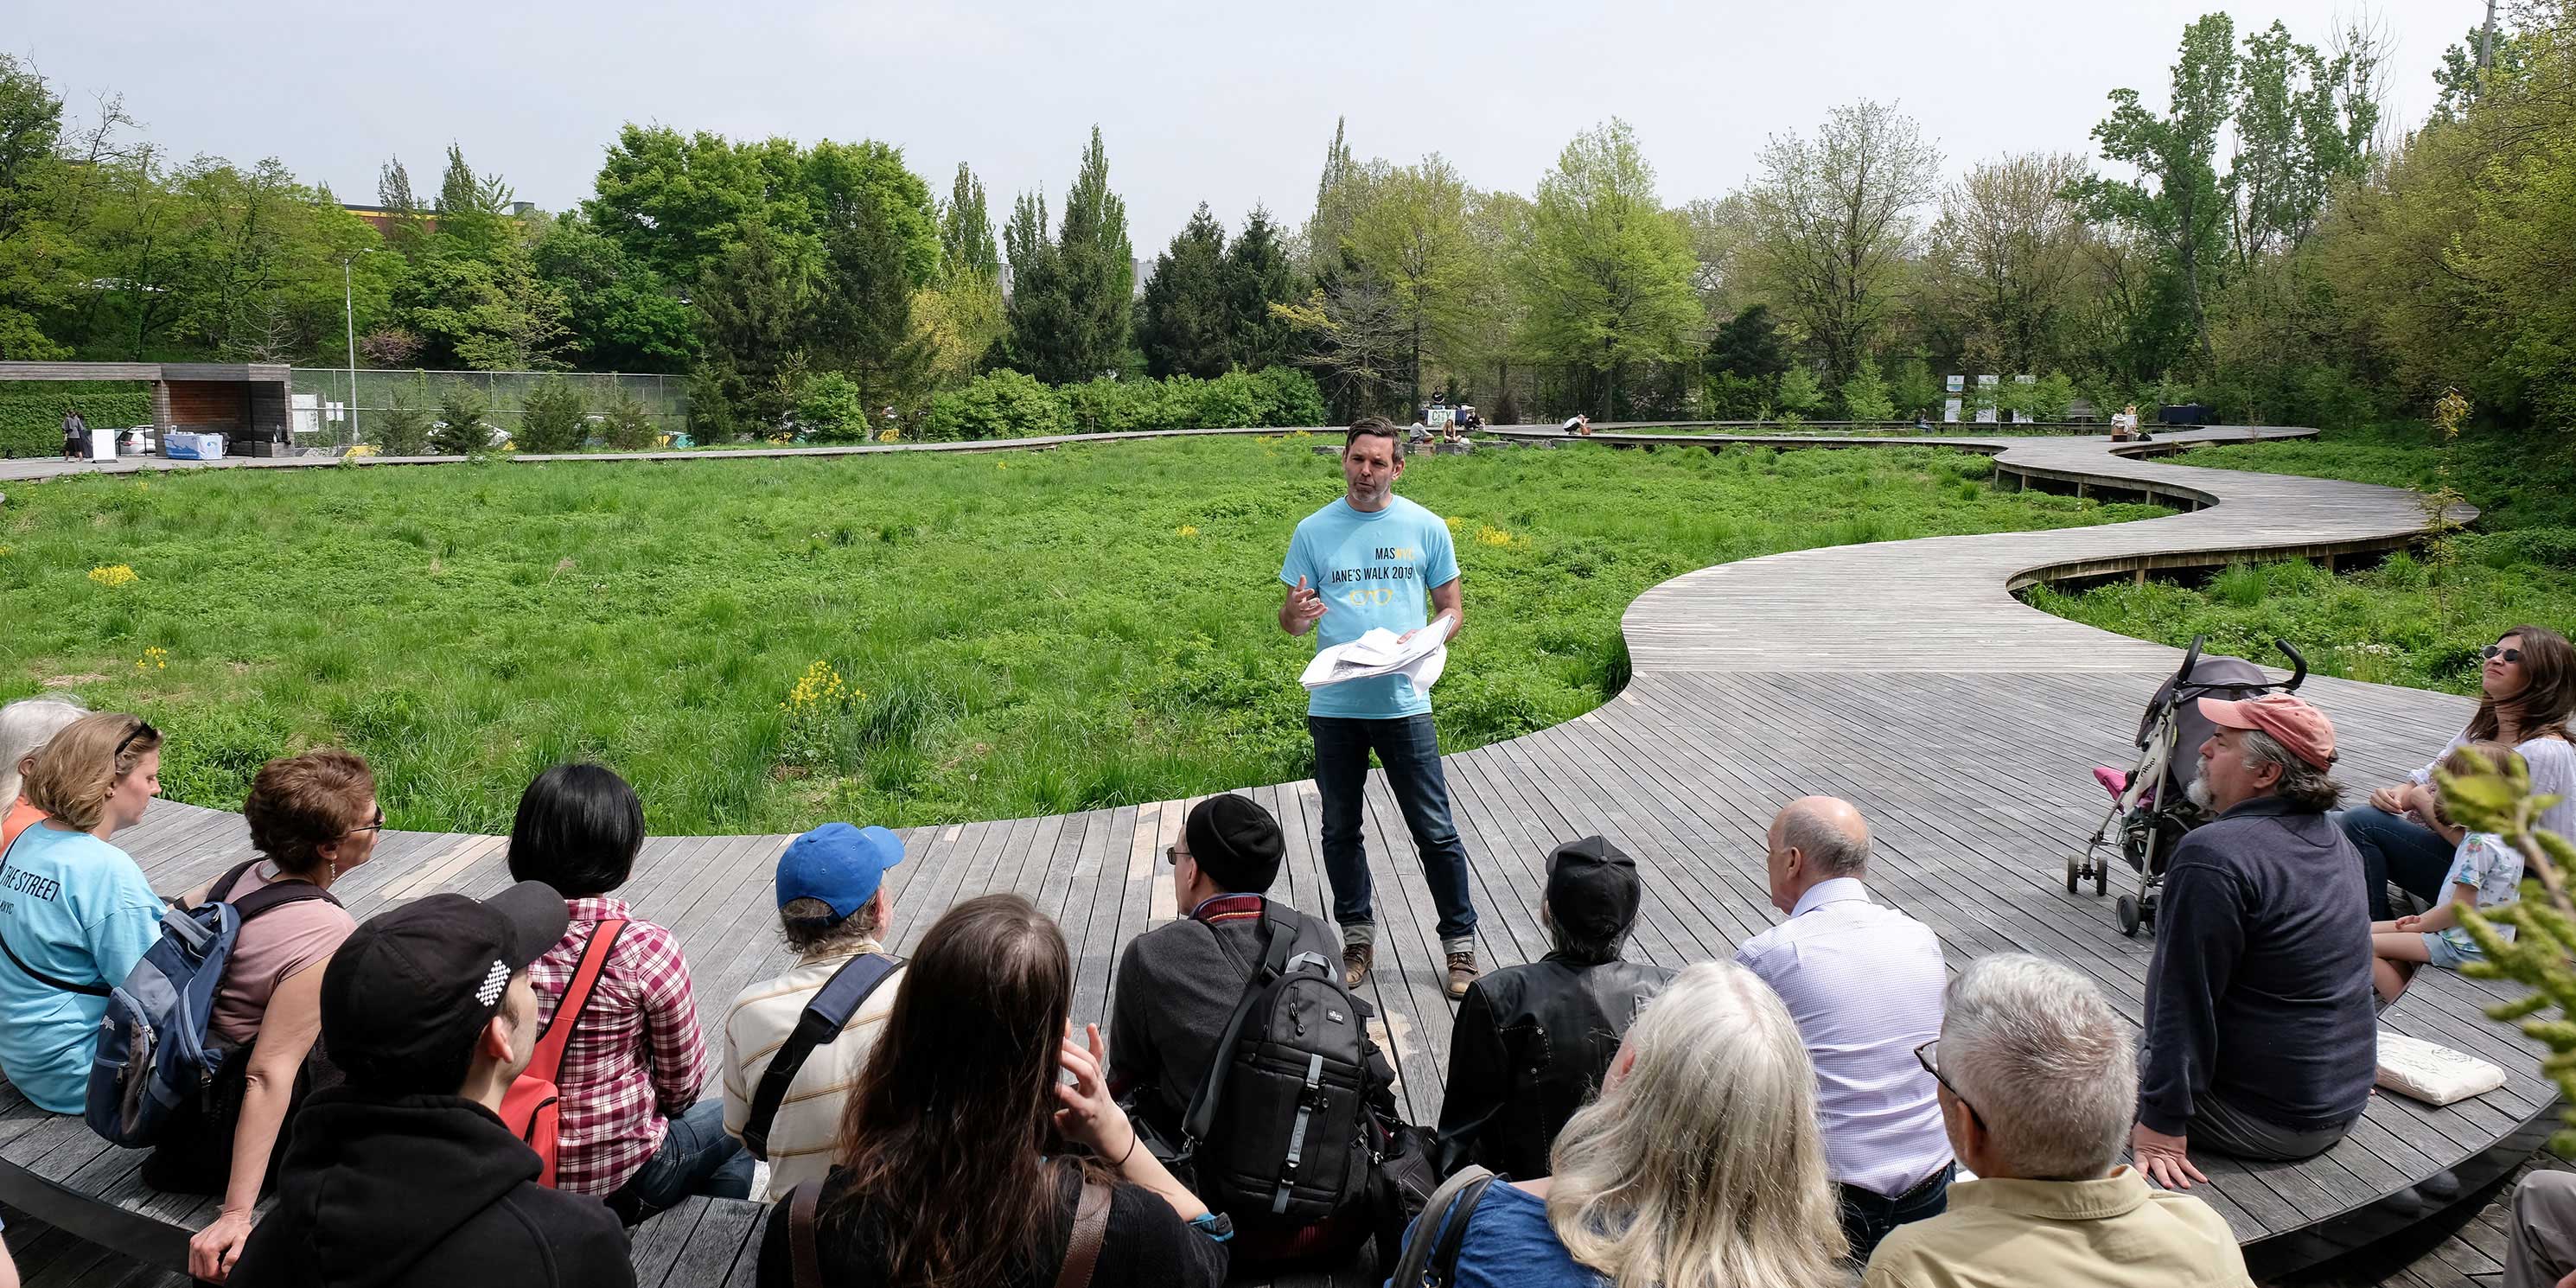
{"type": "Point", "coordinates": [313, 818]}
{"type": "Point", "coordinates": [76, 913]}
{"type": "Point", "coordinates": [2528, 692]}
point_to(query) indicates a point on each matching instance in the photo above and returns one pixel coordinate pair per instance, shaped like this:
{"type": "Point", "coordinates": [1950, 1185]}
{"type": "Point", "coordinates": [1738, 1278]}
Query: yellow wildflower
{"type": "Point", "coordinates": [1493, 536]}
{"type": "Point", "coordinates": [155, 658]}
{"type": "Point", "coordinates": [1187, 530]}
{"type": "Point", "coordinates": [113, 576]}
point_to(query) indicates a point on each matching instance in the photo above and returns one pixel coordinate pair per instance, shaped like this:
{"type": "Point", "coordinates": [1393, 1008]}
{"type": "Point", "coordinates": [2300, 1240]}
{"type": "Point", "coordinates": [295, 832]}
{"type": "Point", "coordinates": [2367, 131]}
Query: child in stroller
{"type": "Point", "coordinates": [2150, 804]}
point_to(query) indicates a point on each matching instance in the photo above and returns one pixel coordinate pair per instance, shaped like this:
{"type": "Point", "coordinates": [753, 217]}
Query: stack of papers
{"type": "Point", "coordinates": [1383, 652]}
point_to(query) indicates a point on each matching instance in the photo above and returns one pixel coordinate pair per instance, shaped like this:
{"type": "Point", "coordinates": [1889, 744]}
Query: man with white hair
{"type": "Point", "coordinates": [1863, 981]}
{"type": "Point", "coordinates": [2261, 1041]}
{"type": "Point", "coordinates": [26, 725]}
{"type": "Point", "coordinates": [2034, 1069]}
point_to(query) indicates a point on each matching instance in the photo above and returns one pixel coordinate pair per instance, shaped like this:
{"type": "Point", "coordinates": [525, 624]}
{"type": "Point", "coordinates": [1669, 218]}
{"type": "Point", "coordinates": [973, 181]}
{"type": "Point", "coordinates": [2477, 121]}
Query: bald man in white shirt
{"type": "Point", "coordinates": [1864, 983]}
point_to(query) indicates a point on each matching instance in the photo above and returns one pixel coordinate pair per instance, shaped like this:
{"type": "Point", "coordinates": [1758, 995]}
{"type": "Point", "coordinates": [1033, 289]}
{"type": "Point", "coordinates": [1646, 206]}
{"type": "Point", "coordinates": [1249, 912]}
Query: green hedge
{"type": "Point", "coordinates": [31, 411]}
{"type": "Point", "coordinates": [1007, 404]}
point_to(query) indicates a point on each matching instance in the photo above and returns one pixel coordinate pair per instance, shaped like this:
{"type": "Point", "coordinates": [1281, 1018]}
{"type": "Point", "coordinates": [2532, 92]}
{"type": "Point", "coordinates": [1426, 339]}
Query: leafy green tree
{"type": "Point", "coordinates": [677, 203]}
{"type": "Point", "coordinates": [2303, 124]}
{"type": "Point", "coordinates": [1183, 322]}
{"type": "Point", "coordinates": [1257, 277]}
{"type": "Point", "coordinates": [556, 418]}
{"type": "Point", "coordinates": [461, 430]}
{"type": "Point", "coordinates": [1915, 389]}
{"type": "Point", "coordinates": [405, 227]}
{"type": "Point", "coordinates": [2006, 260]}
{"type": "Point", "coordinates": [473, 211]}
{"type": "Point", "coordinates": [1609, 274]}
{"type": "Point", "coordinates": [2176, 205]}
{"type": "Point", "coordinates": [1865, 394]}
{"type": "Point", "coordinates": [830, 409]}
{"type": "Point", "coordinates": [486, 312]}
{"type": "Point", "coordinates": [35, 276]}
{"type": "Point", "coordinates": [1355, 341]}
{"type": "Point", "coordinates": [1799, 395]}
{"type": "Point", "coordinates": [618, 312]}
{"type": "Point", "coordinates": [1413, 232]}
{"type": "Point", "coordinates": [1831, 224]}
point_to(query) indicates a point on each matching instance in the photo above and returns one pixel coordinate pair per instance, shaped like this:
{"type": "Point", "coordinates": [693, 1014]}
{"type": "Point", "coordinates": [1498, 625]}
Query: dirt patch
{"type": "Point", "coordinates": [67, 681]}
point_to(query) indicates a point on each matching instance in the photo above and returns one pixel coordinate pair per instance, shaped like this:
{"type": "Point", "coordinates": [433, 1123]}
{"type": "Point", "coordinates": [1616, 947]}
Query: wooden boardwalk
{"type": "Point", "coordinates": [1901, 675]}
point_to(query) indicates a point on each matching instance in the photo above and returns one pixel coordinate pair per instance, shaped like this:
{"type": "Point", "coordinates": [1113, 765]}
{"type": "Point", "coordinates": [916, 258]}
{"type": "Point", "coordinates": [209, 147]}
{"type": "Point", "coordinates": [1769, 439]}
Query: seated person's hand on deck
{"type": "Point", "coordinates": [2165, 1159]}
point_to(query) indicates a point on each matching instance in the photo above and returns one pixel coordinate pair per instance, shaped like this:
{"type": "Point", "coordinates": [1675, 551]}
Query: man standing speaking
{"type": "Point", "coordinates": [1373, 559]}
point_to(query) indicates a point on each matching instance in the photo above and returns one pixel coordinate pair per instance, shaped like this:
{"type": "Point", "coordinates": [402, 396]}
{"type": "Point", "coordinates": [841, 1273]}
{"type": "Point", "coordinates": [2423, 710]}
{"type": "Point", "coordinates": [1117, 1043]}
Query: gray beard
{"type": "Point", "coordinates": [2198, 794]}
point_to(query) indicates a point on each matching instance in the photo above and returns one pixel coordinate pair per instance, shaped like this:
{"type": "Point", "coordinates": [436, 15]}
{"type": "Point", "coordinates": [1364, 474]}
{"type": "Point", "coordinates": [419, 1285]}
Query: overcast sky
{"type": "Point", "coordinates": [1228, 103]}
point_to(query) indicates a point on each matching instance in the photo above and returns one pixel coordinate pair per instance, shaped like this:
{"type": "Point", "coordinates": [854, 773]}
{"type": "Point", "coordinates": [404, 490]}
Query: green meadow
{"type": "Point", "coordinates": [904, 639]}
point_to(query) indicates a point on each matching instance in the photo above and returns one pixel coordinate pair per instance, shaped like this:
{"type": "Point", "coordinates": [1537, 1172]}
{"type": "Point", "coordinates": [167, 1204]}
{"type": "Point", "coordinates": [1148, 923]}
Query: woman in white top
{"type": "Point", "coordinates": [2529, 684]}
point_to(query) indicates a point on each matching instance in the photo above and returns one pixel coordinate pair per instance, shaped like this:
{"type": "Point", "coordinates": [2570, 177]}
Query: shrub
{"type": "Point", "coordinates": [625, 426]}
{"type": "Point", "coordinates": [1865, 395]}
{"type": "Point", "coordinates": [31, 412]}
{"type": "Point", "coordinates": [1289, 398]}
{"type": "Point", "coordinates": [998, 404]}
{"type": "Point", "coordinates": [462, 431]}
{"type": "Point", "coordinates": [1799, 395]}
{"type": "Point", "coordinates": [2049, 397]}
{"type": "Point", "coordinates": [830, 410]}
{"type": "Point", "coordinates": [556, 419]}
{"type": "Point", "coordinates": [403, 431]}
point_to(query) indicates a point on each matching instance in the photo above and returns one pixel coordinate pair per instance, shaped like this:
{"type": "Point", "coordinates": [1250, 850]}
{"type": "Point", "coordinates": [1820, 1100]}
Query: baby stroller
{"type": "Point", "coordinates": [2151, 809]}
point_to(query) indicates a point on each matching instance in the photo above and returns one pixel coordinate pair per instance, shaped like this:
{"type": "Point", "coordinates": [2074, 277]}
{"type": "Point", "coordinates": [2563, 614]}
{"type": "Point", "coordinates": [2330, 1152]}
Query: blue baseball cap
{"type": "Point", "coordinates": [838, 864]}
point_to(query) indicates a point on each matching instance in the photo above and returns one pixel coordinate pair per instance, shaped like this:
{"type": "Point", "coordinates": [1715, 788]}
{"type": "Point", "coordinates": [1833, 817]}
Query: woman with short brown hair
{"type": "Point", "coordinates": [313, 818]}
{"type": "Point", "coordinates": [76, 913]}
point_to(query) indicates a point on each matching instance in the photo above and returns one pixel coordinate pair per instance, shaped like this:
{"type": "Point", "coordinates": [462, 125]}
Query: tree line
{"type": "Point", "coordinates": [2263, 241]}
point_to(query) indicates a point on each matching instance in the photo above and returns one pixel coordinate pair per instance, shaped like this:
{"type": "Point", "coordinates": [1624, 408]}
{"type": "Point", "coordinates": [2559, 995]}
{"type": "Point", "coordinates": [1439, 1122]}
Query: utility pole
{"type": "Point", "coordinates": [349, 320]}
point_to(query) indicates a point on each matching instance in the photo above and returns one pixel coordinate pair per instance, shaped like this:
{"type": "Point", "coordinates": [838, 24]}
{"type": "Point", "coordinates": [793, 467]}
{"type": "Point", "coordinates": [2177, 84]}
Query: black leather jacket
{"type": "Point", "coordinates": [1530, 1047]}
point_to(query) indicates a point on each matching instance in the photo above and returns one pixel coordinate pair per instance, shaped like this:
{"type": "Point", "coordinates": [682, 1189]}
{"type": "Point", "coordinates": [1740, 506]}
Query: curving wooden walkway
{"type": "Point", "coordinates": [1902, 675]}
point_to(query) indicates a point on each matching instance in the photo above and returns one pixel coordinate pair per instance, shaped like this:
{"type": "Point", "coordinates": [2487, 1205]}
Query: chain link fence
{"type": "Point", "coordinates": [326, 414]}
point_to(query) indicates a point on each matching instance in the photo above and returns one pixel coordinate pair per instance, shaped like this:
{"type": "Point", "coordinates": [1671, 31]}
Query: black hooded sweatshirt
{"type": "Point", "coordinates": [423, 1192]}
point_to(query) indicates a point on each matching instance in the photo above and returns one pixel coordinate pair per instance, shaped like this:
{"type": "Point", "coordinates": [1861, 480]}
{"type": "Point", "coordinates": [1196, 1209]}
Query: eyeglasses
{"type": "Point", "coordinates": [1928, 1055]}
{"type": "Point", "coordinates": [2494, 651]}
{"type": "Point", "coordinates": [142, 729]}
{"type": "Point", "coordinates": [1173, 854]}
{"type": "Point", "coordinates": [377, 826]}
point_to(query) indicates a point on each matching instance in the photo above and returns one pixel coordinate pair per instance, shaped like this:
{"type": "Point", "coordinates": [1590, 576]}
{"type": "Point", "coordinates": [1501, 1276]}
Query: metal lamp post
{"type": "Point", "coordinates": [349, 320]}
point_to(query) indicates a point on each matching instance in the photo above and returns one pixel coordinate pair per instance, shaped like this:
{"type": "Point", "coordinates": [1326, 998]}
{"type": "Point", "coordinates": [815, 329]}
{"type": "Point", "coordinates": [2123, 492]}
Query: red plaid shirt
{"type": "Point", "coordinates": [637, 1058]}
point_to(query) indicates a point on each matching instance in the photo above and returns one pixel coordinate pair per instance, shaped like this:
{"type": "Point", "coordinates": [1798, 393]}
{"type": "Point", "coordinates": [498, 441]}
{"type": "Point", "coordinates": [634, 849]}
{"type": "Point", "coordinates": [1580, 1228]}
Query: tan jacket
{"type": "Point", "coordinates": [804, 1136]}
{"type": "Point", "coordinates": [2116, 1232]}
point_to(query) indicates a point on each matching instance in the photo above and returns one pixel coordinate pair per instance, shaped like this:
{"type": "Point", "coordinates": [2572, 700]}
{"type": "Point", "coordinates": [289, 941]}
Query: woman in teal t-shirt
{"type": "Point", "coordinates": [75, 912]}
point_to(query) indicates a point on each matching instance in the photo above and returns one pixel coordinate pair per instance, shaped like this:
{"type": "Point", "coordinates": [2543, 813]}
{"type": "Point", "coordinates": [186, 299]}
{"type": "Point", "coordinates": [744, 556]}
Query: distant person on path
{"type": "Point", "coordinates": [1578, 423]}
{"type": "Point", "coordinates": [2124, 424]}
{"type": "Point", "coordinates": [834, 910]}
{"type": "Point", "coordinates": [77, 912]}
{"type": "Point", "coordinates": [75, 435]}
{"type": "Point", "coordinates": [2260, 1038]}
{"type": "Point", "coordinates": [2035, 1070]}
{"type": "Point", "coordinates": [1372, 559]}
{"type": "Point", "coordinates": [1533, 1041]}
{"type": "Point", "coordinates": [404, 1176]}
{"type": "Point", "coordinates": [1864, 983]}
{"type": "Point", "coordinates": [2528, 693]}
{"type": "Point", "coordinates": [2486, 874]}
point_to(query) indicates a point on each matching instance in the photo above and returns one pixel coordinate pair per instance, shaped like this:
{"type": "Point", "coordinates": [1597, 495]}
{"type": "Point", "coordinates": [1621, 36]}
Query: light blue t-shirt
{"type": "Point", "coordinates": [78, 909]}
{"type": "Point", "coordinates": [2495, 868]}
{"type": "Point", "coordinates": [1509, 1244]}
{"type": "Point", "coordinates": [1373, 569]}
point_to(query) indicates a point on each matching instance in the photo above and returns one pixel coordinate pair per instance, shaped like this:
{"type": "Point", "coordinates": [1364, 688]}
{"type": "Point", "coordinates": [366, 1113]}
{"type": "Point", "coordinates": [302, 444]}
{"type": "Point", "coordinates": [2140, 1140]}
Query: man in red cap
{"type": "Point", "coordinates": [2261, 1041]}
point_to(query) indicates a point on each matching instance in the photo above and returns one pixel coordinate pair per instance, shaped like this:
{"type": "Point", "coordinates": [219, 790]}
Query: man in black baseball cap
{"type": "Point", "coordinates": [1532, 1042]}
{"type": "Point", "coordinates": [405, 1176]}
{"type": "Point", "coordinates": [1178, 984]}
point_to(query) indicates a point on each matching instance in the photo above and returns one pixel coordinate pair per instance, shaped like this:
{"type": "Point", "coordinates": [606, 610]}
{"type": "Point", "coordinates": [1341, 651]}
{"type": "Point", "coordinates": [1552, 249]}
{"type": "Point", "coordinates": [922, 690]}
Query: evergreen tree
{"type": "Point", "coordinates": [1257, 276]}
{"type": "Point", "coordinates": [756, 308]}
{"type": "Point", "coordinates": [1865, 395]}
{"type": "Point", "coordinates": [1338, 196]}
{"type": "Point", "coordinates": [1749, 345]}
{"type": "Point", "coordinates": [402, 210]}
{"type": "Point", "coordinates": [862, 319]}
{"type": "Point", "coordinates": [966, 230]}
{"type": "Point", "coordinates": [472, 212]}
{"type": "Point", "coordinates": [1183, 323]}
{"type": "Point", "coordinates": [1099, 267]}
{"type": "Point", "coordinates": [1041, 326]}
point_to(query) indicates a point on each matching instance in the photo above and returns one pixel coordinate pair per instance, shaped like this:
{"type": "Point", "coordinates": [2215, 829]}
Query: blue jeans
{"type": "Point", "coordinates": [1867, 1217]}
{"type": "Point", "coordinates": [696, 1157]}
{"type": "Point", "coordinates": [2399, 850]}
{"type": "Point", "coordinates": [1410, 750]}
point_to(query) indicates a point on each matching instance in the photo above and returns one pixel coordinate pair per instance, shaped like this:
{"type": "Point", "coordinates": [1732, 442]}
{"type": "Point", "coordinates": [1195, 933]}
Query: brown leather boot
{"type": "Point", "coordinates": [1356, 960]}
{"type": "Point", "coordinates": [1462, 972]}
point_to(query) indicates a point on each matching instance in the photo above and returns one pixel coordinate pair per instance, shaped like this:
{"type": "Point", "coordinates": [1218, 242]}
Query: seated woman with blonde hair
{"type": "Point", "coordinates": [1700, 1165]}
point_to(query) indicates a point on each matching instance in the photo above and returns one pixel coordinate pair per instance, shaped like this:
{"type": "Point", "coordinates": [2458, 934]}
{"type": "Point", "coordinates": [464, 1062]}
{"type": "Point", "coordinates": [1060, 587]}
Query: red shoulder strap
{"type": "Point", "coordinates": [558, 1034]}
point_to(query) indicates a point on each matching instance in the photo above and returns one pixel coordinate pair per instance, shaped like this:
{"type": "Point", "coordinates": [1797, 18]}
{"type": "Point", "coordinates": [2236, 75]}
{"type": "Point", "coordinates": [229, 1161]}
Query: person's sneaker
{"type": "Point", "coordinates": [1356, 959]}
{"type": "Point", "coordinates": [1462, 972]}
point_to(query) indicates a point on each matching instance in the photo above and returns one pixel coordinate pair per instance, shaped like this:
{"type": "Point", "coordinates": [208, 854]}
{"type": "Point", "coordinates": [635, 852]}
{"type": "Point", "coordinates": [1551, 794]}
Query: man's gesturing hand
{"type": "Point", "coordinates": [1302, 609]}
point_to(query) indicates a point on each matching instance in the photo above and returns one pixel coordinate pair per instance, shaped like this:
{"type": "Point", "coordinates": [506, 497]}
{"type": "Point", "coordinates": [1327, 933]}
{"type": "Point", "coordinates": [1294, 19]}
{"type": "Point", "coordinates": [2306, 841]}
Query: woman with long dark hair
{"type": "Point", "coordinates": [955, 1162]}
{"type": "Point", "coordinates": [2527, 693]}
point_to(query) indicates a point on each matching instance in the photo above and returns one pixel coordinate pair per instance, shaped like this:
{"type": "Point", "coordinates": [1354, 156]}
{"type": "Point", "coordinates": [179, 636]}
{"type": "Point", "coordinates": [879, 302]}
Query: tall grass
{"type": "Point", "coordinates": [1020, 634]}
